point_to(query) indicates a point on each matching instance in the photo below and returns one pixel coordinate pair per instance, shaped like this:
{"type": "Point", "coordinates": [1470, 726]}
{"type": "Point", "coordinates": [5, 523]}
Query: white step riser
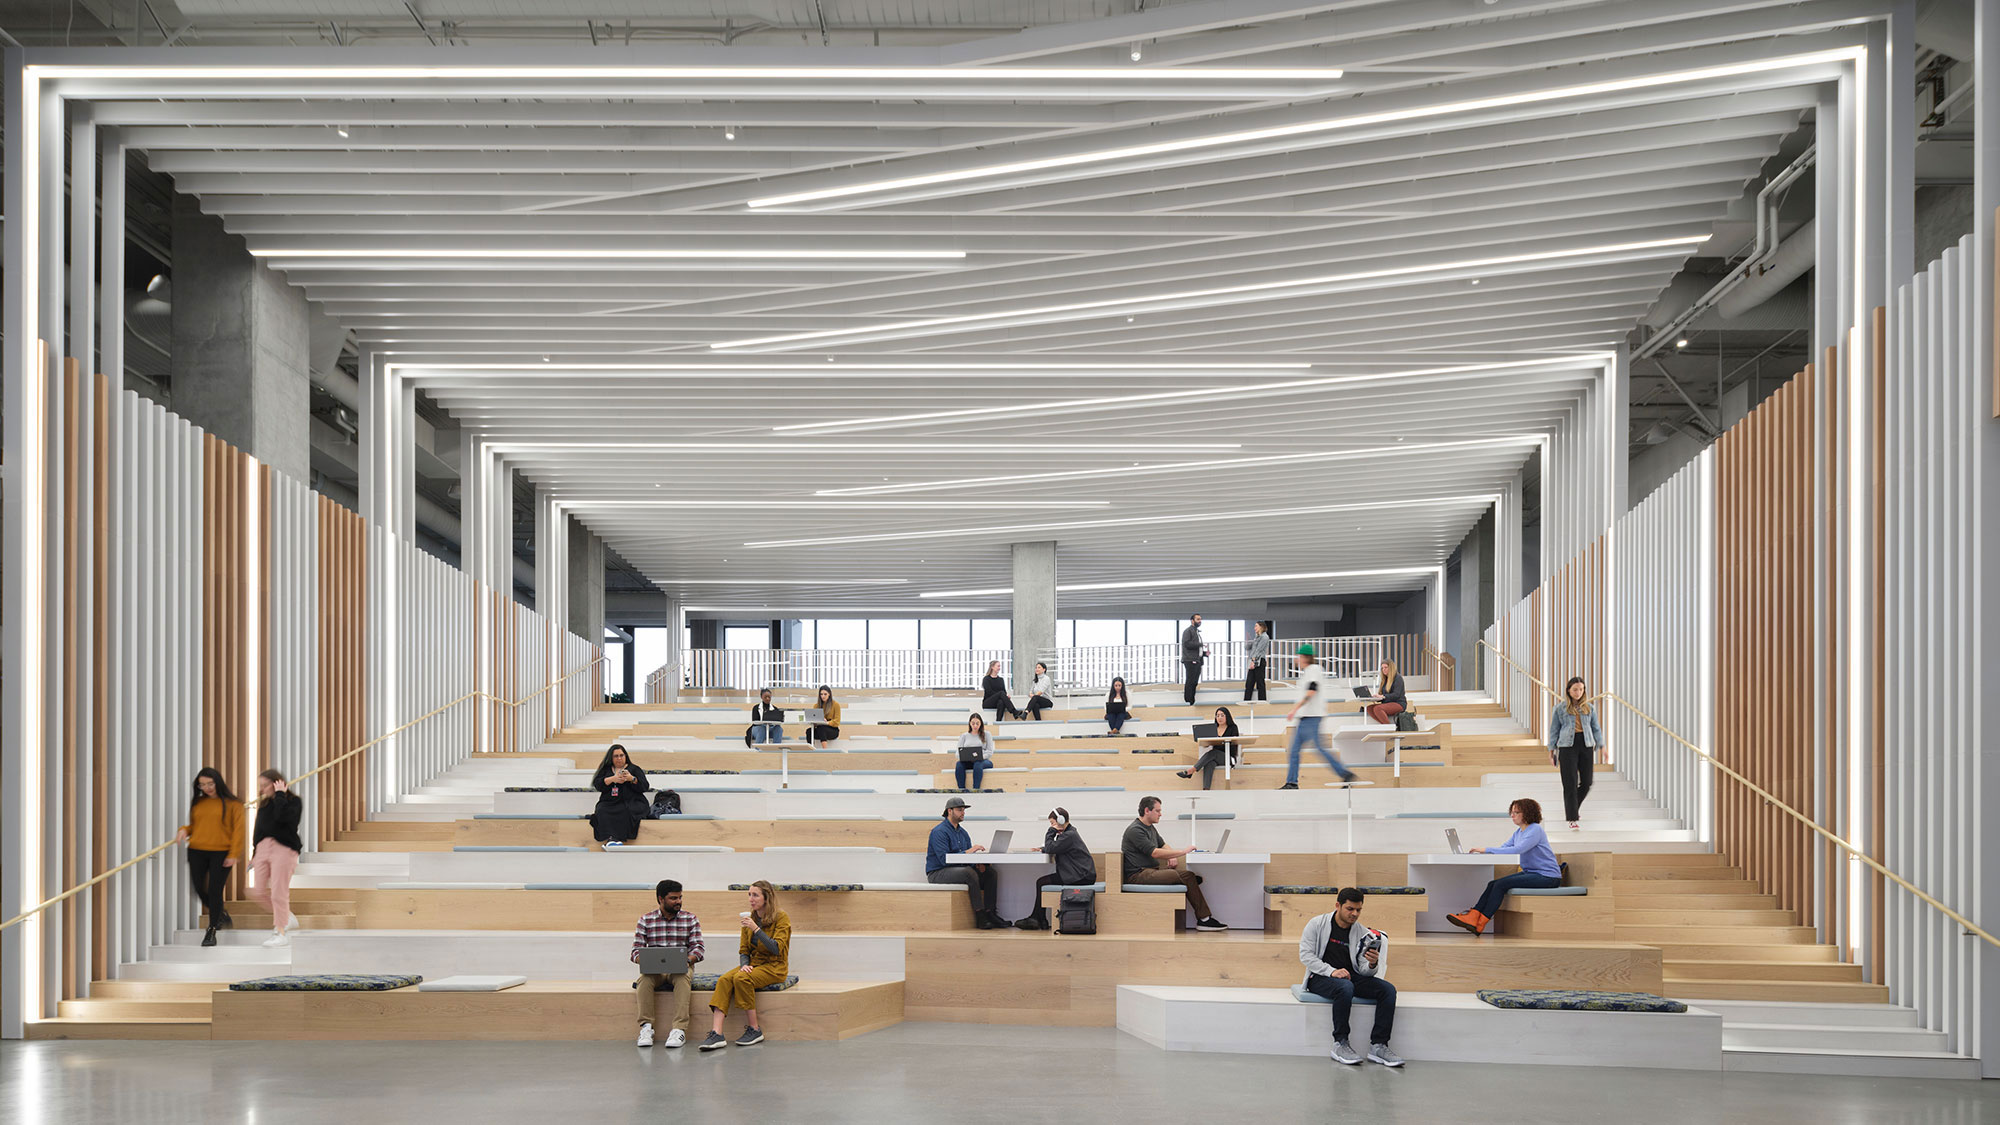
{"type": "Point", "coordinates": [569, 956]}
{"type": "Point", "coordinates": [1804, 1012]}
{"type": "Point", "coordinates": [1848, 1065]}
{"type": "Point", "coordinates": [232, 955]}
{"type": "Point", "coordinates": [1859, 1040]}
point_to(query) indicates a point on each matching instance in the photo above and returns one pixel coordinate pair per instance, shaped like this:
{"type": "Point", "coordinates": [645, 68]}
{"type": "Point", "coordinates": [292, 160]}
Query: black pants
{"type": "Point", "coordinates": [823, 732]}
{"type": "Point", "coordinates": [1002, 707]}
{"type": "Point", "coordinates": [1254, 681]}
{"type": "Point", "coordinates": [982, 885]}
{"type": "Point", "coordinates": [1194, 677]}
{"type": "Point", "coordinates": [1038, 704]}
{"type": "Point", "coordinates": [1575, 762]}
{"type": "Point", "coordinates": [1343, 990]}
{"type": "Point", "coordinates": [208, 875]}
{"type": "Point", "coordinates": [1040, 913]}
{"type": "Point", "coordinates": [1210, 762]}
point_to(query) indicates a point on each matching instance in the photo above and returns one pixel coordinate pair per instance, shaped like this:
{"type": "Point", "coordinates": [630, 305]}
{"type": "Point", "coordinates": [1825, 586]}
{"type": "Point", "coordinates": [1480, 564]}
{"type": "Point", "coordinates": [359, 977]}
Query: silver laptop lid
{"type": "Point", "coordinates": [671, 959]}
{"type": "Point", "coordinates": [813, 715]}
{"type": "Point", "coordinates": [1223, 844]}
{"type": "Point", "coordinates": [1001, 840]}
{"type": "Point", "coordinates": [1451, 837]}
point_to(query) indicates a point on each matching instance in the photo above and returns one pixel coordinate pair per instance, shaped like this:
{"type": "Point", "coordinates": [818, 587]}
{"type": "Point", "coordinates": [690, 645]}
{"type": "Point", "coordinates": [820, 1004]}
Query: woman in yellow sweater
{"type": "Point", "coordinates": [214, 834]}
{"type": "Point", "coordinates": [830, 729]}
{"type": "Point", "coordinates": [761, 956]}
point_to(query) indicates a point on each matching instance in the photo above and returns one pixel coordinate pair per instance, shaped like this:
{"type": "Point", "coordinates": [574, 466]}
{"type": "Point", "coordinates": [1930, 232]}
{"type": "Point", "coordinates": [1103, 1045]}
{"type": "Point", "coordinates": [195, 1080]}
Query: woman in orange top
{"type": "Point", "coordinates": [214, 834]}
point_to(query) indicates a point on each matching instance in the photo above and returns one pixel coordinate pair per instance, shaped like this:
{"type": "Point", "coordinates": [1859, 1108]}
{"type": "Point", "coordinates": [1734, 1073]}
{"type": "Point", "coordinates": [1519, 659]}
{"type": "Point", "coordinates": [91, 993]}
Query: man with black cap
{"type": "Point", "coordinates": [981, 880]}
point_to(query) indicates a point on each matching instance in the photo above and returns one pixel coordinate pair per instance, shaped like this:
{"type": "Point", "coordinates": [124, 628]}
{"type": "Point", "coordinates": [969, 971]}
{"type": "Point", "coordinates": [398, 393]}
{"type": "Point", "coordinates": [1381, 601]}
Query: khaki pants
{"type": "Point", "coordinates": [1168, 876]}
{"type": "Point", "coordinates": [737, 988]}
{"type": "Point", "coordinates": [683, 1001]}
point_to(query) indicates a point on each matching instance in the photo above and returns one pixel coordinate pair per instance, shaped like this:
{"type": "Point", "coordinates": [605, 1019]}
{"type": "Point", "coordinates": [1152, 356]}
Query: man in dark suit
{"type": "Point", "coordinates": [1192, 655]}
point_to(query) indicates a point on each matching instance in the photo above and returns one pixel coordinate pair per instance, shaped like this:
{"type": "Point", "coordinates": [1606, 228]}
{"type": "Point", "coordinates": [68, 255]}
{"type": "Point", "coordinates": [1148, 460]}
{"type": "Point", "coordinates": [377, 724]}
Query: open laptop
{"type": "Point", "coordinates": [1451, 837]}
{"type": "Point", "coordinates": [1364, 692]}
{"type": "Point", "coordinates": [813, 715]}
{"type": "Point", "coordinates": [1001, 840]}
{"type": "Point", "coordinates": [1222, 845]}
{"type": "Point", "coordinates": [669, 959]}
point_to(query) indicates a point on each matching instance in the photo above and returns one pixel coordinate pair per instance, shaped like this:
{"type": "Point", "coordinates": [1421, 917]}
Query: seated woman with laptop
{"type": "Point", "coordinates": [975, 750]}
{"type": "Point", "coordinates": [1224, 726]}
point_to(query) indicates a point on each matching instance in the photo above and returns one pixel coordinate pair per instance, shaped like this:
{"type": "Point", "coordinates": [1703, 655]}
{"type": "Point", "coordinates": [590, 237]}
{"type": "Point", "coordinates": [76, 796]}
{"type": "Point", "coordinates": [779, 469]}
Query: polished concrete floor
{"type": "Point", "coordinates": [943, 1073]}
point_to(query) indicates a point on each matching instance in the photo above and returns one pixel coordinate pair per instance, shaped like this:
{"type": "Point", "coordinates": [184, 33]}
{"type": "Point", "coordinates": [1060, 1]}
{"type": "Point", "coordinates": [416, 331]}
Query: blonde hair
{"type": "Point", "coordinates": [1388, 675]}
{"type": "Point", "coordinates": [769, 913]}
{"type": "Point", "coordinates": [1577, 708]}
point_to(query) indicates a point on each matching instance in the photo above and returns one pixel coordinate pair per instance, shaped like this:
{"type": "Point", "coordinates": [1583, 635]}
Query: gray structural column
{"type": "Point", "coordinates": [1034, 607]}
{"type": "Point", "coordinates": [671, 690]}
{"type": "Point", "coordinates": [1986, 503]}
{"type": "Point", "coordinates": [1475, 600]}
{"type": "Point", "coordinates": [586, 582]}
{"type": "Point", "coordinates": [240, 345]}
{"type": "Point", "coordinates": [111, 256]}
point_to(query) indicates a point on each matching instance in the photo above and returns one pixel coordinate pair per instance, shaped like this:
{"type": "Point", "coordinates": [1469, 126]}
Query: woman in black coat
{"type": "Point", "coordinates": [993, 691]}
{"type": "Point", "coordinates": [1074, 866]}
{"type": "Point", "coordinates": [1225, 727]}
{"type": "Point", "coordinates": [621, 799]}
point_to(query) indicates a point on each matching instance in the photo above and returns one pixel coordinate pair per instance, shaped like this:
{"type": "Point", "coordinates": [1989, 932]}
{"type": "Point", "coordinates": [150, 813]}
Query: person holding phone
{"type": "Point", "coordinates": [621, 798]}
{"type": "Point", "coordinates": [975, 750]}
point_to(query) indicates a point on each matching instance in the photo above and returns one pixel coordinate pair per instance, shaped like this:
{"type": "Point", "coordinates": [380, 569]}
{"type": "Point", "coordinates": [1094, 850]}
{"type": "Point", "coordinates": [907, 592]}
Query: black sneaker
{"type": "Point", "coordinates": [225, 922]}
{"type": "Point", "coordinates": [980, 920]}
{"type": "Point", "coordinates": [1289, 785]}
{"type": "Point", "coordinates": [208, 938]}
{"type": "Point", "coordinates": [751, 1037]}
{"type": "Point", "coordinates": [714, 1042]}
{"type": "Point", "coordinates": [1211, 924]}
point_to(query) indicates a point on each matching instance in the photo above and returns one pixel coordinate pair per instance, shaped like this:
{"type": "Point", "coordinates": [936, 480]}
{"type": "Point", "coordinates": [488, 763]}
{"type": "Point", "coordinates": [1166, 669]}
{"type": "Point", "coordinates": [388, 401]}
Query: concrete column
{"type": "Point", "coordinates": [1475, 601]}
{"type": "Point", "coordinates": [586, 583]}
{"type": "Point", "coordinates": [240, 345]}
{"type": "Point", "coordinates": [676, 621]}
{"type": "Point", "coordinates": [1034, 607]}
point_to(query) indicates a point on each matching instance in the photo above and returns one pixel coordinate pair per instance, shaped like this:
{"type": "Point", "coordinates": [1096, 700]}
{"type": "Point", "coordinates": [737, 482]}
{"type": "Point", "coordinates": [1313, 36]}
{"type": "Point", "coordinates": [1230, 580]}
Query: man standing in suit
{"type": "Point", "coordinates": [1192, 654]}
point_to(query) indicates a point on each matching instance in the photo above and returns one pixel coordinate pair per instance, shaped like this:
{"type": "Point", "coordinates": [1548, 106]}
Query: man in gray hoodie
{"type": "Point", "coordinates": [1345, 959]}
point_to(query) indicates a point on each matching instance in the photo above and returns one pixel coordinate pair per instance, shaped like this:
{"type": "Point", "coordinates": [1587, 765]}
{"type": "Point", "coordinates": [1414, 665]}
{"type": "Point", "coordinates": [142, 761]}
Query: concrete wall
{"type": "Point", "coordinates": [586, 583]}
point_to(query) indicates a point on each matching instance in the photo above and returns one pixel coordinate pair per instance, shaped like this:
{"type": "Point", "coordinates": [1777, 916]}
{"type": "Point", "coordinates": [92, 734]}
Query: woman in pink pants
{"type": "Point", "coordinates": [275, 854]}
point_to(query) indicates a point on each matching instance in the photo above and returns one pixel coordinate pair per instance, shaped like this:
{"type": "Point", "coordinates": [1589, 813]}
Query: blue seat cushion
{"type": "Point", "coordinates": [1448, 815]}
{"type": "Point", "coordinates": [546, 789]}
{"type": "Point", "coordinates": [1154, 889]}
{"type": "Point", "coordinates": [1206, 816]}
{"type": "Point", "coordinates": [802, 886]}
{"type": "Point", "coordinates": [1578, 1000]}
{"type": "Point", "coordinates": [516, 848]}
{"type": "Point", "coordinates": [948, 791]}
{"type": "Point", "coordinates": [994, 816]}
{"type": "Point", "coordinates": [1300, 994]}
{"type": "Point", "coordinates": [329, 982]}
{"type": "Point", "coordinates": [1098, 887]}
{"type": "Point", "coordinates": [795, 773]}
{"type": "Point", "coordinates": [688, 816]}
{"type": "Point", "coordinates": [587, 886]}
{"type": "Point", "coordinates": [821, 789]}
{"type": "Point", "coordinates": [1550, 892]}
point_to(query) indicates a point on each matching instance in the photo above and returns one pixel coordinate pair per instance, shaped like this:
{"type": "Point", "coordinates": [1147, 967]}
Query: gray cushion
{"type": "Point", "coordinates": [528, 816]}
{"type": "Point", "coordinates": [1154, 889]}
{"type": "Point", "coordinates": [1578, 1000]}
{"type": "Point", "coordinates": [1098, 887]}
{"type": "Point", "coordinates": [587, 886]}
{"type": "Point", "coordinates": [1550, 892]}
{"type": "Point", "coordinates": [329, 982]}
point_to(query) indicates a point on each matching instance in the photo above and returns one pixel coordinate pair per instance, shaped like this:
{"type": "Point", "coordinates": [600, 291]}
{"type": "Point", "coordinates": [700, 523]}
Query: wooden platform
{"type": "Point", "coordinates": [617, 910]}
{"type": "Point", "coordinates": [542, 1010]}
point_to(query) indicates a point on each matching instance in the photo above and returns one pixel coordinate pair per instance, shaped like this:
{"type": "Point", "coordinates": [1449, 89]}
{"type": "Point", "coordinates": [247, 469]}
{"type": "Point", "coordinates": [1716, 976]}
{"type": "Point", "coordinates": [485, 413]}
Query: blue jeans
{"type": "Point", "coordinates": [1308, 730]}
{"type": "Point", "coordinates": [1496, 891]}
{"type": "Point", "coordinates": [766, 733]}
{"type": "Point", "coordinates": [1115, 722]}
{"type": "Point", "coordinates": [1342, 991]}
{"type": "Point", "coordinates": [978, 769]}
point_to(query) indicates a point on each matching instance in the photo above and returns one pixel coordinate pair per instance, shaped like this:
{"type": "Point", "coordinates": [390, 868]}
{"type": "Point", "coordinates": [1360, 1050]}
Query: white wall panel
{"type": "Point", "coordinates": [293, 635]}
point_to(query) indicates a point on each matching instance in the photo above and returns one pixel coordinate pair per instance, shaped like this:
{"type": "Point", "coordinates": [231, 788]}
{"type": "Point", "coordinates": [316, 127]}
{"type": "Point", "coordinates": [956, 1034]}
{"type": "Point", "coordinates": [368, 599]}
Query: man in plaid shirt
{"type": "Point", "coordinates": [667, 926]}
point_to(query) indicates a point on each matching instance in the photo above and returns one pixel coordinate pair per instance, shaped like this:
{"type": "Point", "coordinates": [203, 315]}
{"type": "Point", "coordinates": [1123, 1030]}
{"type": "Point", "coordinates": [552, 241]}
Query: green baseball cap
{"type": "Point", "coordinates": [1307, 650]}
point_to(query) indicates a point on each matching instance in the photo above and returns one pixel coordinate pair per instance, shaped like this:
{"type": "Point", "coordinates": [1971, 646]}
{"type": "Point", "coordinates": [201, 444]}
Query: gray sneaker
{"type": "Point", "coordinates": [1344, 1054]}
{"type": "Point", "coordinates": [1380, 1053]}
{"type": "Point", "coordinates": [714, 1042]}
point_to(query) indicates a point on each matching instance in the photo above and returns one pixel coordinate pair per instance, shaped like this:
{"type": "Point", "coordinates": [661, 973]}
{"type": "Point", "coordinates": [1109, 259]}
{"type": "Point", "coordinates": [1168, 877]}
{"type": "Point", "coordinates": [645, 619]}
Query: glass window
{"type": "Point", "coordinates": [651, 651]}
{"type": "Point", "coordinates": [1092, 632]}
{"type": "Point", "coordinates": [746, 636]}
{"type": "Point", "coordinates": [949, 632]}
{"type": "Point", "coordinates": [687, 638]}
{"type": "Point", "coordinates": [842, 632]}
{"type": "Point", "coordinates": [1065, 633]}
{"type": "Point", "coordinates": [892, 632]}
{"type": "Point", "coordinates": [1152, 631]}
{"type": "Point", "coordinates": [614, 667]}
{"type": "Point", "coordinates": [992, 632]}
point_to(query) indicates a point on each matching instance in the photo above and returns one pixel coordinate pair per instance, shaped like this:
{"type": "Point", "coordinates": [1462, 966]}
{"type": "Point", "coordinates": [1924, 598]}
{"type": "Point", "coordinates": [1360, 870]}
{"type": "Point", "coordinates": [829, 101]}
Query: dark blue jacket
{"type": "Point", "coordinates": [946, 839]}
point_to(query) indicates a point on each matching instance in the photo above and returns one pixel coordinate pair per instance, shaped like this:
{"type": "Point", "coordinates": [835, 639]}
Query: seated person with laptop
{"type": "Point", "coordinates": [767, 723]}
{"type": "Point", "coordinates": [1148, 860]}
{"type": "Point", "coordinates": [975, 751]}
{"type": "Point", "coordinates": [666, 945]}
{"type": "Point", "coordinates": [1224, 726]}
{"type": "Point", "coordinates": [982, 882]}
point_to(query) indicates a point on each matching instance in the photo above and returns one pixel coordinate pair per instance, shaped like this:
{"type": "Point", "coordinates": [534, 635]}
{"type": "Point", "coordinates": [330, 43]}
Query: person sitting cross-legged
{"type": "Point", "coordinates": [667, 926]}
{"type": "Point", "coordinates": [1345, 959]}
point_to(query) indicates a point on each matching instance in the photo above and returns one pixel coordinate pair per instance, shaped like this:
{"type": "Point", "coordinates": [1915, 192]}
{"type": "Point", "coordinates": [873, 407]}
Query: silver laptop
{"type": "Point", "coordinates": [669, 959]}
{"type": "Point", "coordinates": [1223, 844]}
{"type": "Point", "coordinates": [1451, 837]}
{"type": "Point", "coordinates": [812, 715]}
{"type": "Point", "coordinates": [1001, 840]}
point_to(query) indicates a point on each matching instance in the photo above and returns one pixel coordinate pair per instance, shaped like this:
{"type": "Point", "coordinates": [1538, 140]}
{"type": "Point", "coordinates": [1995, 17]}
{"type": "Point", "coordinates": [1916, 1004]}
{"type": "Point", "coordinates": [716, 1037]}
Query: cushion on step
{"type": "Point", "coordinates": [1098, 887]}
{"type": "Point", "coordinates": [1206, 816]}
{"type": "Point", "coordinates": [1153, 889]}
{"type": "Point", "coordinates": [947, 791]}
{"type": "Point", "coordinates": [546, 789]}
{"type": "Point", "coordinates": [688, 815]}
{"type": "Point", "coordinates": [587, 886]}
{"type": "Point", "coordinates": [993, 816]}
{"type": "Point", "coordinates": [528, 816]}
{"type": "Point", "coordinates": [802, 886]}
{"type": "Point", "coordinates": [329, 982]}
{"type": "Point", "coordinates": [471, 984]}
{"type": "Point", "coordinates": [1578, 1000]}
{"type": "Point", "coordinates": [1321, 889]}
{"type": "Point", "coordinates": [1447, 815]}
{"type": "Point", "coordinates": [1550, 892]}
{"type": "Point", "coordinates": [1075, 789]}
{"type": "Point", "coordinates": [516, 848]}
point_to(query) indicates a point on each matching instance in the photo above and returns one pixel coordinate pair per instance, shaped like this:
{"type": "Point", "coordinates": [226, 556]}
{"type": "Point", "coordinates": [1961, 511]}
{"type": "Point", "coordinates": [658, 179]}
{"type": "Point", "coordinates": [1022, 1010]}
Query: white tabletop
{"type": "Point", "coordinates": [1467, 860]}
{"type": "Point", "coordinates": [1211, 858]}
{"type": "Point", "coordinates": [997, 857]}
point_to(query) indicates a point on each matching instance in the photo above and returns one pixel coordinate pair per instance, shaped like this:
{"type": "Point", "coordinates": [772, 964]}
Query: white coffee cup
{"type": "Point", "coordinates": [745, 915]}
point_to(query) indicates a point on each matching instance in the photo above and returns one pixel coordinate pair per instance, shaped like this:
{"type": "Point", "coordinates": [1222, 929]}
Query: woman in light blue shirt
{"type": "Point", "coordinates": [1539, 868]}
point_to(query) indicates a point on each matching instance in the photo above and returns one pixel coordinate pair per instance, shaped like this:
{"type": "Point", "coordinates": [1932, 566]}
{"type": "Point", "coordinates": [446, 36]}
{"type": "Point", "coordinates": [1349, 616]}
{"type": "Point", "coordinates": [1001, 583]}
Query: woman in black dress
{"type": "Point", "coordinates": [993, 691]}
{"type": "Point", "coordinates": [621, 799]}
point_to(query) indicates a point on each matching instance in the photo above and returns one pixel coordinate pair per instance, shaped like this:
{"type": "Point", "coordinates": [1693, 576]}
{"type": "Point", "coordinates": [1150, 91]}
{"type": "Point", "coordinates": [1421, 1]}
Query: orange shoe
{"type": "Point", "coordinates": [1471, 921]}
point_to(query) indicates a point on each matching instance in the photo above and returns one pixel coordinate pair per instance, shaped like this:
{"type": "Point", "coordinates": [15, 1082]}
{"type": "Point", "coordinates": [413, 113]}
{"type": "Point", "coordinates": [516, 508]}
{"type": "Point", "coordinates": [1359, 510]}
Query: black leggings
{"type": "Point", "coordinates": [206, 871]}
{"type": "Point", "coordinates": [1254, 682]}
{"type": "Point", "coordinates": [1575, 763]}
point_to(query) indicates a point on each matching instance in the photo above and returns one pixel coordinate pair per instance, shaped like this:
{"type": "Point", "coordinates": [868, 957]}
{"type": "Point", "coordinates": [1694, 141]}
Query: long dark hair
{"type": "Point", "coordinates": [1118, 691]}
{"type": "Point", "coordinates": [1228, 725]}
{"type": "Point", "coordinates": [824, 697]}
{"type": "Point", "coordinates": [604, 767]}
{"type": "Point", "coordinates": [221, 786]}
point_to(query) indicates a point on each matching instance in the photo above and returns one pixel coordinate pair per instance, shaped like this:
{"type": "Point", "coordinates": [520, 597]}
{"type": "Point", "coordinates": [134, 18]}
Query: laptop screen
{"type": "Point", "coordinates": [1001, 840]}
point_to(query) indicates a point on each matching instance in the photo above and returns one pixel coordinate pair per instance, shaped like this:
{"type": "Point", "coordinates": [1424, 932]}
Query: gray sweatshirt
{"type": "Point", "coordinates": [1312, 944]}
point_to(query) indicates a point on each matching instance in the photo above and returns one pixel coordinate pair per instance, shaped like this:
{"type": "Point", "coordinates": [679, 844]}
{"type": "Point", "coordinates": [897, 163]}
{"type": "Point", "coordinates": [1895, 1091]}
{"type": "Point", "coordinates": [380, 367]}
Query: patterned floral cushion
{"type": "Point", "coordinates": [802, 886]}
{"type": "Point", "coordinates": [954, 790]}
{"type": "Point", "coordinates": [547, 789]}
{"type": "Point", "coordinates": [329, 982]}
{"type": "Point", "coordinates": [1579, 1000]}
{"type": "Point", "coordinates": [1161, 750]}
{"type": "Point", "coordinates": [707, 981]}
{"type": "Point", "coordinates": [1310, 889]}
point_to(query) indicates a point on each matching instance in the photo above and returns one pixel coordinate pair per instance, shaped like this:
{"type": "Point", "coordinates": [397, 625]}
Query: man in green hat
{"type": "Point", "coordinates": [1310, 710]}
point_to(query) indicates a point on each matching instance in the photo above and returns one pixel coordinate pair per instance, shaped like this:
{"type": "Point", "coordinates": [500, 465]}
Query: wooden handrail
{"type": "Point", "coordinates": [1769, 798]}
{"type": "Point", "coordinates": [321, 768]}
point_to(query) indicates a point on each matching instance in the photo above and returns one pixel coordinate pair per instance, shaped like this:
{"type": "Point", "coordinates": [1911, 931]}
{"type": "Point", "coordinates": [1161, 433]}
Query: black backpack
{"type": "Point", "coordinates": [1405, 721]}
{"type": "Point", "coordinates": [665, 803]}
{"type": "Point", "coordinates": [1076, 913]}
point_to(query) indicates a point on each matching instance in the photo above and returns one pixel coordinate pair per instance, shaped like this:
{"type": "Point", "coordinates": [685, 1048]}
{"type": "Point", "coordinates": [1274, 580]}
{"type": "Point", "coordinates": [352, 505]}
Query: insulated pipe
{"type": "Point", "coordinates": [1793, 258]}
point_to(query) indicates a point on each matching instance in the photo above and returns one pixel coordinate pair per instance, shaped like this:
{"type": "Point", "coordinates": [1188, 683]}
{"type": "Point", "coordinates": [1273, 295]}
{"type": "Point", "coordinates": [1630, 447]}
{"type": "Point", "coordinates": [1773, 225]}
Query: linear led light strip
{"type": "Point", "coordinates": [810, 448]}
{"type": "Point", "coordinates": [626, 253]}
{"type": "Point", "coordinates": [1129, 521]}
{"type": "Point", "coordinates": [780, 581]}
{"type": "Point", "coordinates": [1042, 313]}
{"type": "Point", "coordinates": [1158, 583]}
{"type": "Point", "coordinates": [1303, 128]}
{"type": "Point", "coordinates": [863, 366]}
{"type": "Point", "coordinates": [891, 421]}
{"type": "Point", "coordinates": [1189, 466]}
{"type": "Point", "coordinates": [875, 73]}
{"type": "Point", "coordinates": [814, 502]}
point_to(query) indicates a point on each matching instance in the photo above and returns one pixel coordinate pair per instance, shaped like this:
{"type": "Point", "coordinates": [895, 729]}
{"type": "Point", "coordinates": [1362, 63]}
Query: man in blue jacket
{"type": "Point", "coordinates": [981, 880]}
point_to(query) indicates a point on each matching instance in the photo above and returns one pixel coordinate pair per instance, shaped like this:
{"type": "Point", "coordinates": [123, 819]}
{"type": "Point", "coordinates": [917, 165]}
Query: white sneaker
{"type": "Point", "coordinates": [1575, 826]}
{"type": "Point", "coordinates": [645, 1035]}
{"type": "Point", "coordinates": [677, 1038]}
{"type": "Point", "coordinates": [278, 940]}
